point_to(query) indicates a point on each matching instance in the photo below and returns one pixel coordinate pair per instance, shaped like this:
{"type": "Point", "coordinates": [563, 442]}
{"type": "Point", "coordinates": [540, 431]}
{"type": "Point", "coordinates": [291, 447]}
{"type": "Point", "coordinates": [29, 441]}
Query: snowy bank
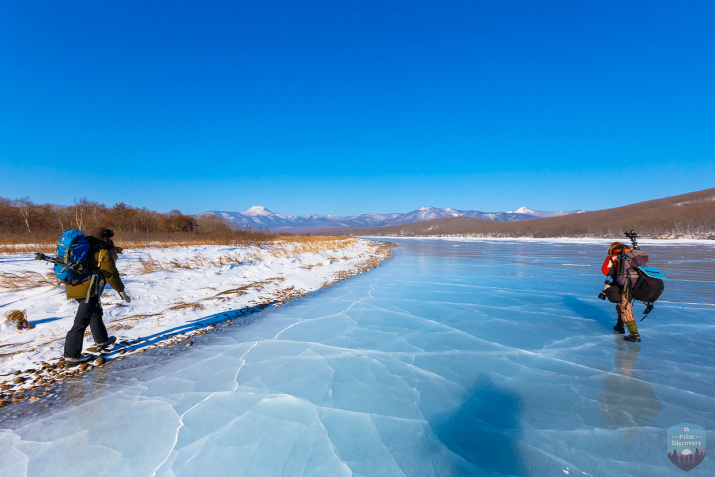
{"type": "Point", "coordinates": [176, 292]}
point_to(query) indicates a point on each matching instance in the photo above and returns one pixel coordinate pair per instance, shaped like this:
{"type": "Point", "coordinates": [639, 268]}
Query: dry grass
{"type": "Point", "coordinates": [119, 324]}
{"type": "Point", "coordinates": [243, 289]}
{"type": "Point", "coordinates": [182, 305]}
{"type": "Point", "coordinates": [20, 280]}
{"type": "Point", "coordinates": [148, 265]}
{"type": "Point", "coordinates": [19, 319]}
{"type": "Point", "coordinates": [49, 245]}
{"type": "Point", "coordinates": [227, 258]}
{"type": "Point", "coordinates": [277, 248]}
{"type": "Point", "coordinates": [234, 291]}
{"type": "Point", "coordinates": [28, 248]}
{"type": "Point", "coordinates": [282, 247]}
{"type": "Point", "coordinates": [171, 241]}
{"type": "Point", "coordinates": [308, 244]}
{"type": "Point", "coordinates": [124, 322]}
{"type": "Point", "coordinates": [253, 254]}
{"type": "Point", "coordinates": [198, 261]}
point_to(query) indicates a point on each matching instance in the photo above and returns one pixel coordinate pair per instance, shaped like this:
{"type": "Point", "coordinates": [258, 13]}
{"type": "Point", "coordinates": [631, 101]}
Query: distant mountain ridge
{"type": "Point", "coordinates": [260, 217]}
{"type": "Point", "coordinates": [690, 215]}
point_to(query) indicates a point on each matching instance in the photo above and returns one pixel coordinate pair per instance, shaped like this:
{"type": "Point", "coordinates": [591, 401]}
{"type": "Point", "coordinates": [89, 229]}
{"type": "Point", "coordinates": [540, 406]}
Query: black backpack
{"type": "Point", "coordinates": [647, 289]}
{"type": "Point", "coordinates": [645, 284]}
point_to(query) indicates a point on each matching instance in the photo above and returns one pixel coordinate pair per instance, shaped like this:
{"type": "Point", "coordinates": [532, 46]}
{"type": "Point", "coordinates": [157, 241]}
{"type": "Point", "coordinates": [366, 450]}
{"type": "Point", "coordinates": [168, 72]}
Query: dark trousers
{"type": "Point", "coordinates": [89, 314]}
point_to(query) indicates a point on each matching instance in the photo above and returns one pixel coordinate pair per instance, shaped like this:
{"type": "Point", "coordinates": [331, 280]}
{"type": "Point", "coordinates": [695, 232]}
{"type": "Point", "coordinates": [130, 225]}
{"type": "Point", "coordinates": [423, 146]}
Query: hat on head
{"type": "Point", "coordinates": [615, 246]}
{"type": "Point", "coordinates": [102, 233]}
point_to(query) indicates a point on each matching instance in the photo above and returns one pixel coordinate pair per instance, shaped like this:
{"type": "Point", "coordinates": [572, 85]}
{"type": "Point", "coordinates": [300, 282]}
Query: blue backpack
{"type": "Point", "coordinates": [73, 251]}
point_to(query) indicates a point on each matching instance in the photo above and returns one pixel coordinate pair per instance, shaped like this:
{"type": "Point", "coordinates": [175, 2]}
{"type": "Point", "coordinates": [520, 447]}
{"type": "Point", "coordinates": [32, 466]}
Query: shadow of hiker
{"type": "Point", "coordinates": [194, 325]}
{"type": "Point", "coordinates": [484, 430]}
{"type": "Point", "coordinates": [44, 320]}
{"type": "Point", "coordinates": [585, 309]}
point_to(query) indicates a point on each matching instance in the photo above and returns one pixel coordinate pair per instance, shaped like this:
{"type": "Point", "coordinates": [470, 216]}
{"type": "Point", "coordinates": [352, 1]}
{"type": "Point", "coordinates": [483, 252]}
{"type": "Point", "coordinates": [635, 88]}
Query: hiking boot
{"type": "Point", "coordinates": [619, 329]}
{"type": "Point", "coordinates": [75, 361]}
{"type": "Point", "coordinates": [633, 337]}
{"type": "Point", "coordinates": [103, 346]}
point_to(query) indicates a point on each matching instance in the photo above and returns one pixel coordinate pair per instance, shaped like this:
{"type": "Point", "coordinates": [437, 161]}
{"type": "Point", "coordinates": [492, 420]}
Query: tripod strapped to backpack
{"type": "Point", "coordinates": [633, 235]}
{"type": "Point", "coordinates": [47, 258]}
{"type": "Point", "coordinates": [649, 285]}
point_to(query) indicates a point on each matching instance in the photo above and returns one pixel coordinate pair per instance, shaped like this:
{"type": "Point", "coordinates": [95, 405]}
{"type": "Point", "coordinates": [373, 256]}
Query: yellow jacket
{"type": "Point", "coordinates": [103, 262]}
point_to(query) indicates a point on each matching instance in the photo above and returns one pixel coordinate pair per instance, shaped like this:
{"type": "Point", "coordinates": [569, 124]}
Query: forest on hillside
{"type": "Point", "coordinates": [22, 221]}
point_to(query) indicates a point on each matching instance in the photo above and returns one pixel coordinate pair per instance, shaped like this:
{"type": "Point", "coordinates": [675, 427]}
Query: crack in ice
{"type": "Point", "coordinates": [178, 429]}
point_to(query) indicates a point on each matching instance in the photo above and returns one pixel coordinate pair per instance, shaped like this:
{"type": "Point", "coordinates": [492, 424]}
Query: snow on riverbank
{"type": "Point", "coordinates": [175, 292]}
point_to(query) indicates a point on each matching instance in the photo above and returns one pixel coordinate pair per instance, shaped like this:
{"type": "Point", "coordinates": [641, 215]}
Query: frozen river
{"type": "Point", "coordinates": [453, 358]}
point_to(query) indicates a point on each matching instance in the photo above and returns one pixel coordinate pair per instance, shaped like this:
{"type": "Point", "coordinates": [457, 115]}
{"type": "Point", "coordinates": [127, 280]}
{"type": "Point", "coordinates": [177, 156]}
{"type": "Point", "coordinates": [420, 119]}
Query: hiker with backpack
{"type": "Point", "coordinates": [99, 269]}
{"type": "Point", "coordinates": [619, 292]}
{"type": "Point", "coordinates": [630, 279]}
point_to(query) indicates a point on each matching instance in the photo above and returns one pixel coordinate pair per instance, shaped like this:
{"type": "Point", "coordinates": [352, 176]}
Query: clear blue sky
{"type": "Point", "coordinates": [337, 107]}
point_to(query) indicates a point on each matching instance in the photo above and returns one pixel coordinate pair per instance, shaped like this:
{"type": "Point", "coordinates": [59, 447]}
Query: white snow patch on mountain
{"type": "Point", "coordinates": [260, 217]}
{"type": "Point", "coordinates": [522, 210]}
{"type": "Point", "coordinates": [256, 210]}
{"type": "Point", "coordinates": [541, 214]}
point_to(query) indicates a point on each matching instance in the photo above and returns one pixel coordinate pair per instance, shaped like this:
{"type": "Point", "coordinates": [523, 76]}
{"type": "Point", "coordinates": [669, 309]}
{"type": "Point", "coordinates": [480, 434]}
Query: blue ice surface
{"type": "Point", "coordinates": [452, 358]}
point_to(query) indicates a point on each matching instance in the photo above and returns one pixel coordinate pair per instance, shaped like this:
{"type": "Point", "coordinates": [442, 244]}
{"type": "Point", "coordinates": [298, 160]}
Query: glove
{"type": "Point", "coordinates": [125, 297]}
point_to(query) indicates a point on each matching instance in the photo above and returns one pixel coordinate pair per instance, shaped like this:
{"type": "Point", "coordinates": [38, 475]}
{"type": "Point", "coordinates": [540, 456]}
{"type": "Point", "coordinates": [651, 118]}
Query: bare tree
{"type": "Point", "coordinates": [25, 206]}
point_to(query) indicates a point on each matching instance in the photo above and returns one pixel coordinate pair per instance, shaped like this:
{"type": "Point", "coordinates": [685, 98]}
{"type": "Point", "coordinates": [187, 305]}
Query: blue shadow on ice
{"type": "Point", "coordinates": [583, 309]}
{"type": "Point", "coordinates": [194, 325]}
{"type": "Point", "coordinates": [485, 429]}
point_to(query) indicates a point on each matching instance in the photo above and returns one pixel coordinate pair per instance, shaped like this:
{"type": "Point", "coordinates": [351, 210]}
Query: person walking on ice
{"type": "Point", "coordinates": [621, 292]}
{"type": "Point", "coordinates": [102, 263]}
{"type": "Point", "coordinates": [630, 279]}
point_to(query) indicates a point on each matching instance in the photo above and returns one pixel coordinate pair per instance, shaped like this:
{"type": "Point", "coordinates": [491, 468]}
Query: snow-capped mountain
{"type": "Point", "coordinates": [257, 210]}
{"type": "Point", "coordinates": [540, 214]}
{"type": "Point", "coordinates": [260, 217]}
